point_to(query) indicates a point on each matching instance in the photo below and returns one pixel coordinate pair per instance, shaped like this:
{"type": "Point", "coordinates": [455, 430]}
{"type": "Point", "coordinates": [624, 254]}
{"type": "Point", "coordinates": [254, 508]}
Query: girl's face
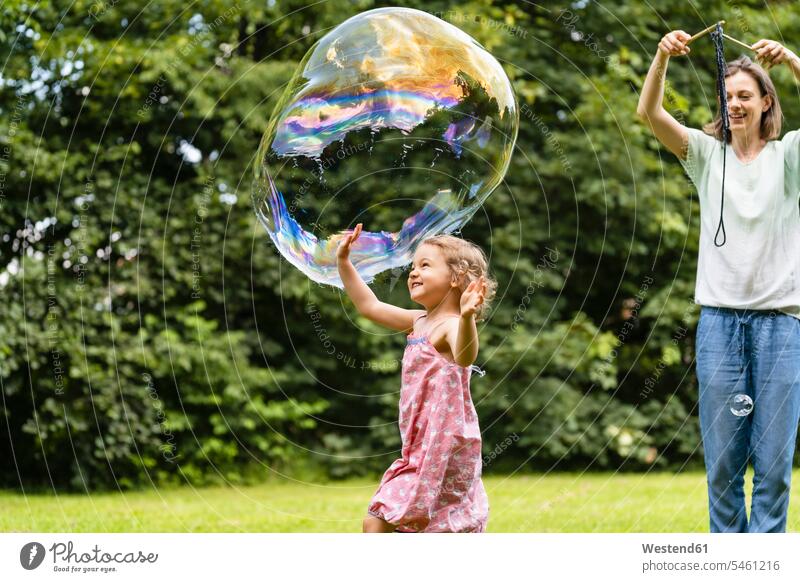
{"type": "Point", "coordinates": [430, 278]}
{"type": "Point", "coordinates": [745, 104]}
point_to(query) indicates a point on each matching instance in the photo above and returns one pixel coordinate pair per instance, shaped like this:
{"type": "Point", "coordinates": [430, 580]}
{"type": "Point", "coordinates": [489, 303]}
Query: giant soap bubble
{"type": "Point", "coordinates": [395, 119]}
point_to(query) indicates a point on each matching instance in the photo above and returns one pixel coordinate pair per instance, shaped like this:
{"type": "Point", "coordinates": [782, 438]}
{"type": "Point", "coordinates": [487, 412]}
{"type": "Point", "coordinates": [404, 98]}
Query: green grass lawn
{"type": "Point", "coordinates": [521, 503]}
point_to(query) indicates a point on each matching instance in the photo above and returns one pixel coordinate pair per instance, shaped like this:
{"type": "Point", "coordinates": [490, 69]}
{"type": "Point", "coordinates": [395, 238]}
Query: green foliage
{"type": "Point", "coordinates": [149, 332]}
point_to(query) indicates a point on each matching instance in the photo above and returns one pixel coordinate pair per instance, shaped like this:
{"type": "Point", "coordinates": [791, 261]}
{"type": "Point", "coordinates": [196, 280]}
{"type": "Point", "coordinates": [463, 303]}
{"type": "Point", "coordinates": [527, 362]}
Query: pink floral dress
{"type": "Point", "coordinates": [435, 486]}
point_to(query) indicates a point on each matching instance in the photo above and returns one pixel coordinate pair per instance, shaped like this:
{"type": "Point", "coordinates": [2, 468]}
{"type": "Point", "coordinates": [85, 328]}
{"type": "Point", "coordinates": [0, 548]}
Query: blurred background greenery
{"type": "Point", "coordinates": [150, 333]}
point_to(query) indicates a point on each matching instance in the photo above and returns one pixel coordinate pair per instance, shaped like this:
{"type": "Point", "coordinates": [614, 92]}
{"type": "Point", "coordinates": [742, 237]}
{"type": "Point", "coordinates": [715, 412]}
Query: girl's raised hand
{"type": "Point", "coordinates": [674, 43]}
{"type": "Point", "coordinates": [472, 297]}
{"type": "Point", "coordinates": [770, 53]}
{"type": "Point", "coordinates": [343, 250]}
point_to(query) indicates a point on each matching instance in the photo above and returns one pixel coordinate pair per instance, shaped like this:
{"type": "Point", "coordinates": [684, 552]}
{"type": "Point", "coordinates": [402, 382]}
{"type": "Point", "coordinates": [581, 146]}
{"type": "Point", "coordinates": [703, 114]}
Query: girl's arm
{"type": "Point", "coordinates": [651, 110]}
{"type": "Point", "coordinates": [362, 296]}
{"type": "Point", "coordinates": [465, 343]}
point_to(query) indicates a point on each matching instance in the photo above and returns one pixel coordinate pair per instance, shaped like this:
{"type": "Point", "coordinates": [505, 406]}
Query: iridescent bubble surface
{"type": "Point", "coordinates": [741, 404]}
{"type": "Point", "coordinates": [395, 119]}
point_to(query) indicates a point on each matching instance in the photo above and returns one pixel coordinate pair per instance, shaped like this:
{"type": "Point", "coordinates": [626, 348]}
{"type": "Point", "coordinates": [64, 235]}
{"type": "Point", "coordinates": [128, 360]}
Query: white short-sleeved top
{"type": "Point", "coordinates": [759, 264]}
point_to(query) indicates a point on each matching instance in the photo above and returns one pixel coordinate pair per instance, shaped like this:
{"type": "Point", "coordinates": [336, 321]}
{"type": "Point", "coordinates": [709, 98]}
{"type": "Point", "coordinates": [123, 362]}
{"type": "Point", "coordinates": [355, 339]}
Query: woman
{"type": "Point", "coordinates": [748, 335]}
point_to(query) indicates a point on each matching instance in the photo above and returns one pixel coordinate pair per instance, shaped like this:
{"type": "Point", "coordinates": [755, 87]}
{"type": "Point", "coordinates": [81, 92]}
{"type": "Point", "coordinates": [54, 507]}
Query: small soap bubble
{"type": "Point", "coordinates": [741, 404]}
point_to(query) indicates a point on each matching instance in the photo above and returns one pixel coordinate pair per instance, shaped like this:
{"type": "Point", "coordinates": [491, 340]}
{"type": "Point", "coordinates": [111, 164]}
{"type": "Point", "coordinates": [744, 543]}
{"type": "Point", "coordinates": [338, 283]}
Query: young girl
{"type": "Point", "coordinates": [435, 486]}
{"type": "Point", "coordinates": [748, 336]}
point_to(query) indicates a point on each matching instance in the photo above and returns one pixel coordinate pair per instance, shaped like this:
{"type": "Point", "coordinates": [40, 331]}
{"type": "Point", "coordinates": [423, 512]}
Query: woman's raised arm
{"type": "Point", "coordinates": [651, 110]}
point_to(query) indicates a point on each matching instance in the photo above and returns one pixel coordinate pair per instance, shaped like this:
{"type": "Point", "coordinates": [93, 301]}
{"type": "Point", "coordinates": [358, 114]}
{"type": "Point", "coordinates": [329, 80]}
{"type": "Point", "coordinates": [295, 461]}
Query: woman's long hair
{"type": "Point", "coordinates": [771, 118]}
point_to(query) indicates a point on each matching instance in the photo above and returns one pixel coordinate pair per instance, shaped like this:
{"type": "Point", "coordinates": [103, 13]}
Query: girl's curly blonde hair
{"type": "Point", "coordinates": [467, 263]}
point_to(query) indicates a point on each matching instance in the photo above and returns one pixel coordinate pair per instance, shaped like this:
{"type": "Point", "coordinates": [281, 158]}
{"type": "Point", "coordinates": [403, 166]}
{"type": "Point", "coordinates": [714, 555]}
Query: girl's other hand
{"type": "Point", "coordinates": [770, 53]}
{"type": "Point", "coordinates": [343, 251]}
{"type": "Point", "coordinates": [472, 297]}
{"type": "Point", "coordinates": [674, 43]}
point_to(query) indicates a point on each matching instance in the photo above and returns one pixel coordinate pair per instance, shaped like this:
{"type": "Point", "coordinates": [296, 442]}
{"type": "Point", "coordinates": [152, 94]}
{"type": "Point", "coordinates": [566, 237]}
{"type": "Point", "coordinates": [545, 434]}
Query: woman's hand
{"type": "Point", "coordinates": [674, 44]}
{"type": "Point", "coordinates": [472, 297]}
{"type": "Point", "coordinates": [343, 250]}
{"type": "Point", "coordinates": [770, 53]}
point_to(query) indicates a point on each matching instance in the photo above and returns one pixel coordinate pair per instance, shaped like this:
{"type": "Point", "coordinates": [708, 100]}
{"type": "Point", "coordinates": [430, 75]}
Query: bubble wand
{"type": "Point", "coordinates": [711, 29]}
{"type": "Point", "coordinates": [704, 32]}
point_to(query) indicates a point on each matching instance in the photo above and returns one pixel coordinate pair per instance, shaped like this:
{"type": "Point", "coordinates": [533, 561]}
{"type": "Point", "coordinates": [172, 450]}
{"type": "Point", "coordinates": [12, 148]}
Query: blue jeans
{"type": "Point", "coordinates": [754, 353]}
